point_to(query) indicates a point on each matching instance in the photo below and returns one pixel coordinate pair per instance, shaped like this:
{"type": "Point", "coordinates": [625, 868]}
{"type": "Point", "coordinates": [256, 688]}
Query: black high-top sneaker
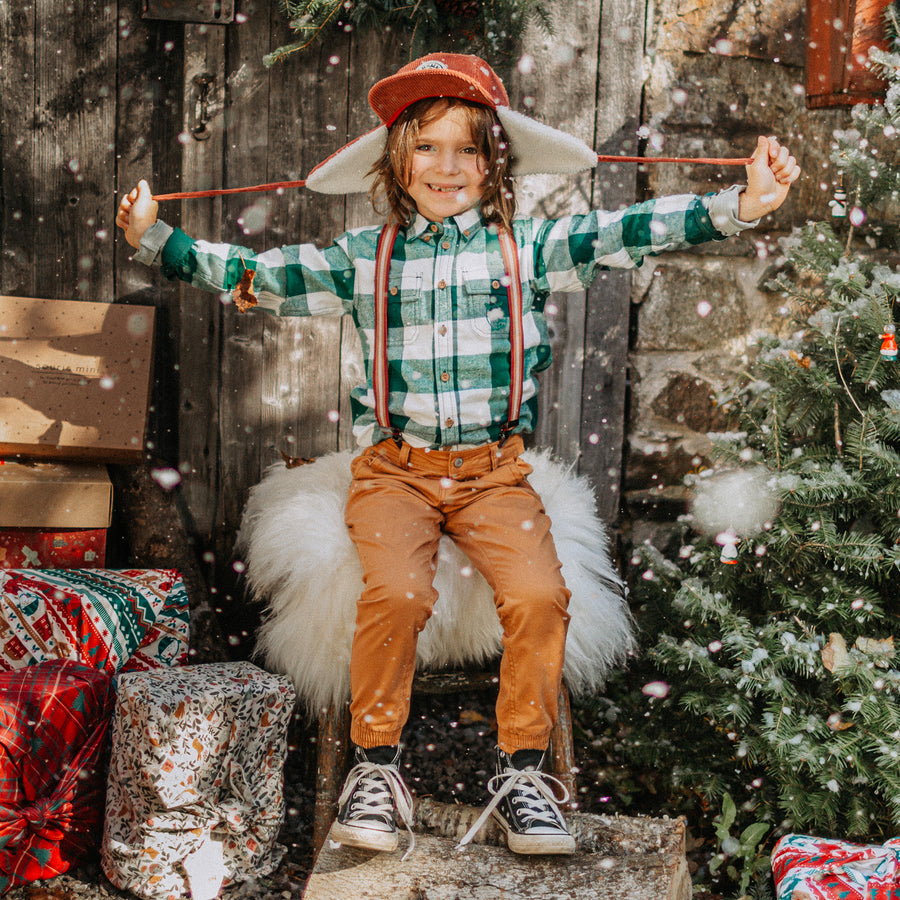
{"type": "Point", "coordinates": [372, 792]}
{"type": "Point", "coordinates": [525, 806]}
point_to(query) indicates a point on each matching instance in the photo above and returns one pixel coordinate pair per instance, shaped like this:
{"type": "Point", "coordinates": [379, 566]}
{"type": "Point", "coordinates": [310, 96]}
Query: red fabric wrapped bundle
{"type": "Point", "coordinates": [814, 868]}
{"type": "Point", "coordinates": [54, 719]}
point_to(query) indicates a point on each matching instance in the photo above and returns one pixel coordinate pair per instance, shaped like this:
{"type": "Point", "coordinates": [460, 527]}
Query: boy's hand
{"type": "Point", "coordinates": [771, 173]}
{"type": "Point", "coordinates": [137, 212]}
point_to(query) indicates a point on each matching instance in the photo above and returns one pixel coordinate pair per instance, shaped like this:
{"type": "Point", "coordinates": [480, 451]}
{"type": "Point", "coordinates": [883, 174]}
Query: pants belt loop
{"type": "Point", "coordinates": [405, 450]}
{"type": "Point", "coordinates": [496, 453]}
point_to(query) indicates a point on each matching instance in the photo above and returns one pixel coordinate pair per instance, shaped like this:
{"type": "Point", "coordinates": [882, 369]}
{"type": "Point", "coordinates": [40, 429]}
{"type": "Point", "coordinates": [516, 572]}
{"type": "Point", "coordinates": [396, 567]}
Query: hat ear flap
{"type": "Point", "coordinates": [347, 170]}
{"type": "Point", "coordinates": [536, 148]}
{"type": "Point", "coordinates": [539, 149]}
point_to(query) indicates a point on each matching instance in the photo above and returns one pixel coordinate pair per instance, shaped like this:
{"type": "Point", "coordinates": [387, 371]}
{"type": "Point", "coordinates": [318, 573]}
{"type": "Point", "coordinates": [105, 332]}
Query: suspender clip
{"type": "Point", "coordinates": [506, 429]}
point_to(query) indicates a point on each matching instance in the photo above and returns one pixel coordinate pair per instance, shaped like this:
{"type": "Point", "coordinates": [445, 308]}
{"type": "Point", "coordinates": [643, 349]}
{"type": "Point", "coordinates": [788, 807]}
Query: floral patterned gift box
{"type": "Point", "coordinates": [194, 795]}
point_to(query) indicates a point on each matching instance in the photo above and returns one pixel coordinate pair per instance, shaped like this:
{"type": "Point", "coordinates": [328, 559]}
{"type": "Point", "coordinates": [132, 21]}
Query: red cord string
{"type": "Point", "coordinates": [283, 185]}
{"type": "Point", "coordinates": [256, 188]}
{"type": "Point", "coordinates": [702, 160]}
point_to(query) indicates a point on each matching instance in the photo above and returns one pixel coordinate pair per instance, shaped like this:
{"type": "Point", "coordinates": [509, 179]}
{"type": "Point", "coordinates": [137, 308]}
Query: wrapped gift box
{"type": "Point", "coordinates": [24, 548]}
{"type": "Point", "coordinates": [54, 720]}
{"type": "Point", "coordinates": [814, 868]}
{"type": "Point", "coordinates": [53, 515]}
{"type": "Point", "coordinates": [60, 496]}
{"type": "Point", "coordinates": [110, 619]}
{"type": "Point", "coordinates": [76, 379]}
{"type": "Point", "coordinates": [195, 790]}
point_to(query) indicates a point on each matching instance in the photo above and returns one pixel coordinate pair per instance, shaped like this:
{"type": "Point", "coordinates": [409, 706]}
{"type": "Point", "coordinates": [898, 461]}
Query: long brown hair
{"type": "Point", "coordinates": [392, 171]}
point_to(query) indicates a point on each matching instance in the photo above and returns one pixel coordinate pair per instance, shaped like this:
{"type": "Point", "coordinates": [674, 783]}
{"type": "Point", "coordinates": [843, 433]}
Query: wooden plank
{"type": "Point", "coordinates": [555, 81]}
{"type": "Point", "coordinates": [642, 859]}
{"type": "Point", "coordinates": [302, 363]}
{"type": "Point", "coordinates": [240, 394]}
{"type": "Point", "coordinates": [18, 139]}
{"type": "Point", "coordinates": [559, 418]}
{"type": "Point", "coordinates": [606, 322]}
{"type": "Point", "coordinates": [197, 317]}
{"type": "Point", "coordinates": [372, 56]}
{"type": "Point", "coordinates": [74, 162]}
{"type": "Point", "coordinates": [148, 84]}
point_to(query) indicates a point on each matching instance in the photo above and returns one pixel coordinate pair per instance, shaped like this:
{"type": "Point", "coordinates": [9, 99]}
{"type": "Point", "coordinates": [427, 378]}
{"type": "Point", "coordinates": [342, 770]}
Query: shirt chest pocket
{"type": "Point", "coordinates": [485, 300]}
{"type": "Point", "coordinates": [407, 309]}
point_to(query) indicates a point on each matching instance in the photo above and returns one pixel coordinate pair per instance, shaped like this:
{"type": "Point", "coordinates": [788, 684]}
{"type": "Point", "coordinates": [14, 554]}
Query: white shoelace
{"type": "Point", "coordinates": [538, 797]}
{"type": "Point", "coordinates": [371, 778]}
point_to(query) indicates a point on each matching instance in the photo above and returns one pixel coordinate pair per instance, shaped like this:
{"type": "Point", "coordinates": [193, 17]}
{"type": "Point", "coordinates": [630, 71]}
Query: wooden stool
{"type": "Point", "coordinates": [334, 744]}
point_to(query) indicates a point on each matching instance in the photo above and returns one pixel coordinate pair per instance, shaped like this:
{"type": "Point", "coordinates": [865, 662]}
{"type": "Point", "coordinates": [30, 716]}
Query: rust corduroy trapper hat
{"type": "Point", "coordinates": [536, 148]}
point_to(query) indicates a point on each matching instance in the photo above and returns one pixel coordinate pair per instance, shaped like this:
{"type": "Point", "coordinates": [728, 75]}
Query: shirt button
{"type": "Point", "coordinates": [442, 284]}
{"type": "Point", "coordinates": [446, 245]}
{"type": "Point", "coordinates": [434, 227]}
{"type": "Point", "coordinates": [394, 291]}
{"type": "Point", "coordinates": [458, 462]}
{"type": "Point", "coordinates": [448, 423]}
{"type": "Point", "coordinates": [426, 237]}
{"type": "Point", "coordinates": [495, 284]}
{"type": "Point", "coordinates": [445, 376]}
{"type": "Point", "coordinates": [442, 330]}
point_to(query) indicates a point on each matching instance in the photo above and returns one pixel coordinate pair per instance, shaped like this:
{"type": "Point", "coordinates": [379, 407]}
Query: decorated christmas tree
{"type": "Point", "coordinates": [772, 673]}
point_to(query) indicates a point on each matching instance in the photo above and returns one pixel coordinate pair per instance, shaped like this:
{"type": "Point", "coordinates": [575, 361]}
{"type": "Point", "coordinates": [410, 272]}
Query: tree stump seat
{"type": "Point", "coordinates": [616, 857]}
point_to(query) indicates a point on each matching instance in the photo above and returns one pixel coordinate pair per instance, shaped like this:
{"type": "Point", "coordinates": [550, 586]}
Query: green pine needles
{"type": "Point", "coordinates": [784, 662]}
{"type": "Point", "coordinates": [484, 27]}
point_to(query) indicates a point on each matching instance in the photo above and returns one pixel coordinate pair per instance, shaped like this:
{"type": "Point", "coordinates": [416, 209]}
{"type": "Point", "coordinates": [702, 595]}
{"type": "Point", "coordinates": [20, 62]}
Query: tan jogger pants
{"type": "Point", "coordinates": [400, 502]}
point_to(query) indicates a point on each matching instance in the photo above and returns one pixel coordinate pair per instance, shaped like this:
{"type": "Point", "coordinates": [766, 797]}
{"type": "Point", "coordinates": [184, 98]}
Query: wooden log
{"type": "Point", "coordinates": [331, 766]}
{"type": "Point", "coordinates": [156, 537]}
{"type": "Point", "coordinates": [616, 857]}
{"type": "Point", "coordinates": [562, 745]}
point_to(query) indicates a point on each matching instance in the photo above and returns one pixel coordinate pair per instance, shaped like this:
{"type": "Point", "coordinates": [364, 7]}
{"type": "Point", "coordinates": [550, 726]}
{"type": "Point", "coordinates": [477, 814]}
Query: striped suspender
{"type": "Point", "coordinates": [380, 356]}
{"type": "Point", "coordinates": [516, 330]}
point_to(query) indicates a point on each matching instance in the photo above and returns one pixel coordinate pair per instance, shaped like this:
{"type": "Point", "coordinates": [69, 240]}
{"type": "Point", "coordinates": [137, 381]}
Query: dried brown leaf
{"type": "Point", "coordinates": [875, 646]}
{"type": "Point", "coordinates": [834, 653]}
{"type": "Point", "coordinates": [243, 295]}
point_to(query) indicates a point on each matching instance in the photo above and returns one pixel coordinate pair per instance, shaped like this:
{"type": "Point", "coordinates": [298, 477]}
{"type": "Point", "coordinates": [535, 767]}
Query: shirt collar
{"type": "Point", "coordinates": [467, 222]}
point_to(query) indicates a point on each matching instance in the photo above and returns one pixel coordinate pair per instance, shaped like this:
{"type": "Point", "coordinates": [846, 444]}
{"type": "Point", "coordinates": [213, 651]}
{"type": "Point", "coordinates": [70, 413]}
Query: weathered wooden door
{"type": "Point", "coordinates": [253, 386]}
{"type": "Point", "coordinates": [94, 97]}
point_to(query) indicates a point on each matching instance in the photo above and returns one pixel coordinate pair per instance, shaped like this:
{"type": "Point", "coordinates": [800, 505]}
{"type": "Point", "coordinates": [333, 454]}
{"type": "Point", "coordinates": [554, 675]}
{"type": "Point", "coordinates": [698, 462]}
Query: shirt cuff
{"type": "Point", "coordinates": [152, 242]}
{"type": "Point", "coordinates": [723, 211]}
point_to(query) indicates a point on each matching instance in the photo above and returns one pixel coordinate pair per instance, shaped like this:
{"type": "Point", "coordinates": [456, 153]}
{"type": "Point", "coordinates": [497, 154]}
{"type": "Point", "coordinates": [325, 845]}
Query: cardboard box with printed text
{"type": "Point", "coordinates": [75, 379]}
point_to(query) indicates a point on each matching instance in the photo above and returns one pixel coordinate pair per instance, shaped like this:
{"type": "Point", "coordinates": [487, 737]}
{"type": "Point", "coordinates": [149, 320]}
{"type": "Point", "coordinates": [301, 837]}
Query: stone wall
{"type": "Point", "coordinates": [718, 73]}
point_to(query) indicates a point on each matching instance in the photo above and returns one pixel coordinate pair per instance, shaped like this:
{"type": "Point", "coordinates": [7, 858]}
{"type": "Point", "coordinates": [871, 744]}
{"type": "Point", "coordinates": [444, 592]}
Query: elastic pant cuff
{"type": "Point", "coordinates": [370, 737]}
{"type": "Point", "coordinates": [509, 742]}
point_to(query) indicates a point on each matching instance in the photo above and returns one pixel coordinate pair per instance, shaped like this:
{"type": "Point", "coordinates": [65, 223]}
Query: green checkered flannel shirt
{"type": "Point", "coordinates": [448, 316]}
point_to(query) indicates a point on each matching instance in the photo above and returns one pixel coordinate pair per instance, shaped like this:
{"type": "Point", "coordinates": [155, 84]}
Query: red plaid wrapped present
{"type": "Point", "coordinates": [54, 719]}
{"type": "Point", "coordinates": [811, 868]}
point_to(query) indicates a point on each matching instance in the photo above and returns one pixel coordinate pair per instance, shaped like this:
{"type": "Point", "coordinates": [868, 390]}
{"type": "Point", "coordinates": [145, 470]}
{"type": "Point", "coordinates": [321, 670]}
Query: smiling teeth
{"type": "Point", "coordinates": [445, 190]}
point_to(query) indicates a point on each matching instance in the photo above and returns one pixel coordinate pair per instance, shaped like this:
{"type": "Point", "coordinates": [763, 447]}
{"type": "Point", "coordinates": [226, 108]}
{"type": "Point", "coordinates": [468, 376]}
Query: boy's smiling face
{"type": "Point", "coordinates": [447, 174]}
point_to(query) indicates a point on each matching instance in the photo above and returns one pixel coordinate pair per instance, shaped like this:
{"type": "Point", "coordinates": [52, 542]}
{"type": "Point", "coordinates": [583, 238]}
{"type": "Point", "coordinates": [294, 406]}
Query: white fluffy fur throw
{"type": "Point", "coordinates": [302, 565]}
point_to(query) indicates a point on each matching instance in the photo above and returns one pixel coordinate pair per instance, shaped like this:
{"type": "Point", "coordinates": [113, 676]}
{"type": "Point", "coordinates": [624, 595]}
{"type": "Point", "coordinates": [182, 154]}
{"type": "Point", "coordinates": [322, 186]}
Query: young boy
{"type": "Point", "coordinates": [451, 360]}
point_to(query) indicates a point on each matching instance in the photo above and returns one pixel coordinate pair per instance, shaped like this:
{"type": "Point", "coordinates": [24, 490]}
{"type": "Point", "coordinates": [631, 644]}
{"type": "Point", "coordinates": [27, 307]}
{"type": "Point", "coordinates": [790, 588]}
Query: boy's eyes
{"type": "Point", "coordinates": [424, 148]}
